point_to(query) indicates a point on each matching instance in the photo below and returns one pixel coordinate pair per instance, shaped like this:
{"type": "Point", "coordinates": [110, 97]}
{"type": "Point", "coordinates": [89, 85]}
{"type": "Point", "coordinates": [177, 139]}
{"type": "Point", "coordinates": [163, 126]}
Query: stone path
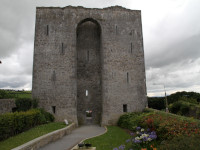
{"type": "Point", "coordinates": [75, 137]}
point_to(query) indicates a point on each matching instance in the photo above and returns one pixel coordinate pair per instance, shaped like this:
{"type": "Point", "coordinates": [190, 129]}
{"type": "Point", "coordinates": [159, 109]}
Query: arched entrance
{"type": "Point", "coordinates": [89, 95]}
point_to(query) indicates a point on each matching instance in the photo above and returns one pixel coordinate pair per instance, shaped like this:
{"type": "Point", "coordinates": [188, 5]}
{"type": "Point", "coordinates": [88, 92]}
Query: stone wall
{"type": "Point", "coordinates": [119, 77]}
{"type": "Point", "coordinates": [6, 105]}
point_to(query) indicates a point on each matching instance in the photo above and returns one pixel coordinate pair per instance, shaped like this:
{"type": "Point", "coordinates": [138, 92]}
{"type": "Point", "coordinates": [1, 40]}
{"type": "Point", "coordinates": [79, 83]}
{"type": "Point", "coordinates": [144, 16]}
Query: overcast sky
{"type": "Point", "coordinates": [171, 33]}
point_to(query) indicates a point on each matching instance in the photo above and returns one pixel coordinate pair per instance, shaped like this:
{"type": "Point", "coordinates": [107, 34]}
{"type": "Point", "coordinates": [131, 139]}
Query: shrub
{"type": "Point", "coordinates": [34, 103]}
{"type": "Point", "coordinates": [48, 116]}
{"type": "Point", "coordinates": [131, 120]}
{"type": "Point", "coordinates": [169, 126]}
{"type": "Point", "coordinates": [156, 102]}
{"type": "Point", "coordinates": [14, 123]}
{"type": "Point", "coordinates": [175, 107]}
{"type": "Point", "coordinates": [23, 104]}
{"type": "Point", "coordinates": [182, 142]}
{"type": "Point", "coordinates": [5, 94]}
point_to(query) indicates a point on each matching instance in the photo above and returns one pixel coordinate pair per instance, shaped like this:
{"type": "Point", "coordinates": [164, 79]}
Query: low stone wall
{"type": "Point", "coordinates": [6, 105]}
{"type": "Point", "coordinates": [46, 139]}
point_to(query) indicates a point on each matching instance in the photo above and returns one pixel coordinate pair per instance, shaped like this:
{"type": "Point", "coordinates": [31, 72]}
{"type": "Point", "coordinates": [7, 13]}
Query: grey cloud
{"type": "Point", "coordinates": [186, 50]}
{"type": "Point", "coordinates": [16, 25]}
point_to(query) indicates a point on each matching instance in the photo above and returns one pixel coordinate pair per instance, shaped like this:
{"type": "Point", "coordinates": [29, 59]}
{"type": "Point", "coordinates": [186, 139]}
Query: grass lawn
{"type": "Point", "coordinates": [20, 94]}
{"type": "Point", "coordinates": [114, 137]}
{"type": "Point", "coordinates": [29, 135]}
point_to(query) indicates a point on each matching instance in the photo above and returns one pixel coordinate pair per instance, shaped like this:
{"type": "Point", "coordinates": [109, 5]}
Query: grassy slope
{"type": "Point", "coordinates": [29, 135]}
{"type": "Point", "coordinates": [110, 139]}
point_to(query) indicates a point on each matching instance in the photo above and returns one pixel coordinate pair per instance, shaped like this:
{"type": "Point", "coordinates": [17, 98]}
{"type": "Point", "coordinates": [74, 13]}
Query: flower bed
{"type": "Point", "coordinates": [167, 127]}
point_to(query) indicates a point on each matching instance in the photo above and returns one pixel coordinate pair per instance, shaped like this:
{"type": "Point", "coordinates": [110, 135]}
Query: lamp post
{"type": "Point", "coordinates": [166, 102]}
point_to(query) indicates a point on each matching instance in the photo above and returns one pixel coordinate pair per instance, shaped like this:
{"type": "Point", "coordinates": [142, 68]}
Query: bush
{"type": "Point", "coordinates": [169, 126]}
{"type": "Point", "coordinates": [131, 120]}
{"type": "Point", "coordinates": [23, 104]}
{"type": "Point", "coordinates": [182, 142]}
{"type": "Point", "coordinates": [156, 102]}
{"type": "Point", "coordinates": [166, 125]}
{"type": "Point", "coordinates": [175, 107]}
{"type": "Point", "coordinates": [48, 116]}
{"type": "Point", "coordinates": [185, 108]}
{"type": "Point", "coordinates": [4, 94]}
{"type": "Point", "coordinates": [14, 123]}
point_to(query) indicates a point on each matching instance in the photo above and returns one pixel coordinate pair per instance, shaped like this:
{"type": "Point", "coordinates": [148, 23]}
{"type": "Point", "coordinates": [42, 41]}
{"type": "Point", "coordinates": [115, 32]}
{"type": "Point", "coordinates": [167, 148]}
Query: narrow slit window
{"type": "Point", "coordinates": [47, 29]}
{"type": "Point", "coordinates": [131, 48]}
{"type": "Point", "coordinates": [88, 53]}
{"type": "Point", "coordinates": [54, 109]}
{"type": "Point", "coordinates": [62, 49]}
{"type": "Point", "coordinates": [116, 29]}
{"type": "Point", "coordinates": [54, 76]}
{"type": "Point", "coordinates": [86, 92]}
{"type": "Point", "coordinates": [127, 77]}
{"type": "Point", "coordinates": [124, 107]}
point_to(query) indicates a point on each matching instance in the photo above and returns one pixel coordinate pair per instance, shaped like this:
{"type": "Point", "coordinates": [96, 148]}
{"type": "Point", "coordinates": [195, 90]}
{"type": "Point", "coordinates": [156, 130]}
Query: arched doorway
{"type": "Point", "coordinates": [89, 95]}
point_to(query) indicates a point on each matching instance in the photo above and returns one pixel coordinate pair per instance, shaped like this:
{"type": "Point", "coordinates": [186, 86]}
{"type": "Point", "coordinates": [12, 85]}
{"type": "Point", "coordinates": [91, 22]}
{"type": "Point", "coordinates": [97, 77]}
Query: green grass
{"type": "Point", "coordinates": [114, 137]}
{"type": "Point", "coordinates": [29, 135]}
{"type": "Point", "coordinates": [20, 94]}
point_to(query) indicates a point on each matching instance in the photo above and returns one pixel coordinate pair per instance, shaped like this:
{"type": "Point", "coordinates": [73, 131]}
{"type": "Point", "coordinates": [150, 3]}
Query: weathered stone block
{"type": "Point", "coordinates": [89, 60]}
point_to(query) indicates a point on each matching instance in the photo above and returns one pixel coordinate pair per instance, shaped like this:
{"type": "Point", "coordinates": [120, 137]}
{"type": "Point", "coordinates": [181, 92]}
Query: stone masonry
{"type": "Point", "coordinates": [89, 60]}
{"type": "Point", "coordinates": [6, 105]}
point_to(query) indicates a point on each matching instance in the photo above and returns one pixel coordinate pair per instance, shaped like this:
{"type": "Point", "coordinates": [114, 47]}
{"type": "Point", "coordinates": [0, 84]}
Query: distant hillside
{"type": "Point", "coordinates": [6, 94]}
{"type": "Point", "coordinates": [159, 102]}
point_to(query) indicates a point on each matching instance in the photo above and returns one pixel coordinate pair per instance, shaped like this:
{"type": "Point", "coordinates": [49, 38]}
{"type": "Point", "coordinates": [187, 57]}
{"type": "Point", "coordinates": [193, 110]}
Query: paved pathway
{"type": "Point", "coordinates": [75, 137]}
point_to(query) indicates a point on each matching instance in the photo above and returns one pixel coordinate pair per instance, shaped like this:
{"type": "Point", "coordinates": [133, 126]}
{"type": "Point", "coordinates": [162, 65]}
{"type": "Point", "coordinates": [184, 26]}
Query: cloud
{"type": "Point", "coordinates": [171, 36]}
{"type": "Point", "coordinates": [16, 25]}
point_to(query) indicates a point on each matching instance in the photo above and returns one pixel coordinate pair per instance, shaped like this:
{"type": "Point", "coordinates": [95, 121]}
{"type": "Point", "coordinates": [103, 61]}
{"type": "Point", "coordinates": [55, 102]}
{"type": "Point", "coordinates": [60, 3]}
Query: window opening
{"type": "Point", "coordinates": [54, 109]}
{"type": "Point", "coordinates": [116, 29]}
{"type": "Point", "coordinates": [88, 55]}
{"type": "Point", "coordinates": [54, 76]}
{"type": "Point", "coordinates": [62, 49]}
{"type": "Point", "coordinates": [47, 29]}
{"type": "Point", "coordinates": [127, 77]}
{"type": "Point", "coordinates": [124, 107]}
{"type": "Point", "coordinates": [131, 47]}
{"type": "Point", "coordinates": [86, 92]}
{"type": "Point", "coordinates": [88, 114]}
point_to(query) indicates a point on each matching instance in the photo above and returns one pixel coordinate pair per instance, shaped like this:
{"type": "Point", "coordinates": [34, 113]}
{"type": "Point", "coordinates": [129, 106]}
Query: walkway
{"type": "Point", "coordinates": [75, 137]}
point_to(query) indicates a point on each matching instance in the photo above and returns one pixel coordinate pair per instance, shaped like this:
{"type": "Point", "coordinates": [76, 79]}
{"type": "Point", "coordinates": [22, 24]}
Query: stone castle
{"type": "Point", "coordinates": [89, 63]}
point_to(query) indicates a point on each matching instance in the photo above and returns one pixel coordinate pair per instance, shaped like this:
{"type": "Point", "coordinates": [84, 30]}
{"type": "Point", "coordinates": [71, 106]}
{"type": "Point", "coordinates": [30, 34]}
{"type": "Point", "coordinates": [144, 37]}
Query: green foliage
{"type": "Point", "coordinates": [5, 94]}
{"type": "Point", "coordinates": [159, 102]}
{"type": "Point", "coordinates": [179, 95]}
{"type": "Point", "coordinates": [29, 135]}
{"type": "Point", "coordinates": [190, 100]}
{"type": "Point", "coordinates": [23, 104]}
{"type": "Point", "coordinates": [175, 107]}
{"type": "Point", "coordinates": [14, 123]}
{"type": "Point", "coordinates": [185, 108]}
{"type": "Point", "coordinates": [34, 103]}
{"type": "Point", "coordinates": [166, 125]}
{"type": "Point", "coordinates": [156, 102]}
{"type": "Point", "coordinates": [131, 120]}
{"type": "Point", "coordinates": [181, 142]}
{"type": "Point", "coordinates": [48, 116]}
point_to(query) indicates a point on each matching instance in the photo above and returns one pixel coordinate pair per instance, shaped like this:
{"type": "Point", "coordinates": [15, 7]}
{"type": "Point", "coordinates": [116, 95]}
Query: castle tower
{"type": "Point", "coordinates": [89, 63]}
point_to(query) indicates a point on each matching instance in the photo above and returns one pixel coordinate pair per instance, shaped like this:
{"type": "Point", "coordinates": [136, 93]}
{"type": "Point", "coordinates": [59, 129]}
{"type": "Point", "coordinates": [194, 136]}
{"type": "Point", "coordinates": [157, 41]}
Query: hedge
{"type": "Point", "coordinates": [185, 109]}
{"type": "Point", "coordinates": [166, 125]}
{"type": "Point", "coordinates": [17, 122]}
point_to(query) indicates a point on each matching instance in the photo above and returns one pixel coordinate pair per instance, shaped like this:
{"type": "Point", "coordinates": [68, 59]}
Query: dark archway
{"type": "Point", "coordinates": [89, 92]}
